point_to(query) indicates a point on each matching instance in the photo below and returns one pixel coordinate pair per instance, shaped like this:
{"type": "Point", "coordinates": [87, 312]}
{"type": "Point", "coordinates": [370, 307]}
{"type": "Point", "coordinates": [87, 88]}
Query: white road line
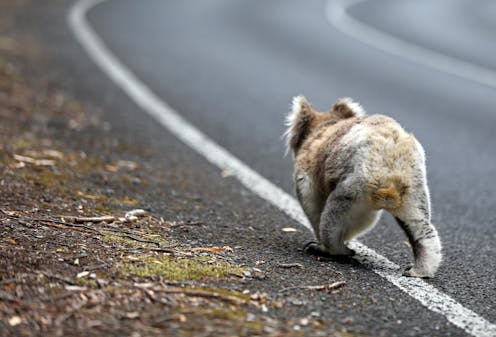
{"type": "Point", "coordinates": [426, 294]}
{"type": "Point", "coordinates": [336, 12]}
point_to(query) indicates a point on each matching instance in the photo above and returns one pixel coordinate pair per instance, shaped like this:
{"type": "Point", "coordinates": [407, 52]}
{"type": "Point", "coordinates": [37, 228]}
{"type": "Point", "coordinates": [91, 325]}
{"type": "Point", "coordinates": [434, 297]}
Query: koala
{"type": "Point", "coordinates": [349, 167]}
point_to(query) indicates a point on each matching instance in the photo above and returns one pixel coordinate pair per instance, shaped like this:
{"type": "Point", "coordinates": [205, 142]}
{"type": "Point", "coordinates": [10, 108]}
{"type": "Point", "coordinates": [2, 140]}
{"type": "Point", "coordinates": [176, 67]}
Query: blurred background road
{"type": "Point", "coordinates": [231, 68]}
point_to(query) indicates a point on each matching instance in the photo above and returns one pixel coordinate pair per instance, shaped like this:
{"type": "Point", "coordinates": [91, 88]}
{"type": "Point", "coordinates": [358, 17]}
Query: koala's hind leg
{"type": "Point", "coordinates": [415, 219]}
{"type": "Point", "coordinates": [335, 222]}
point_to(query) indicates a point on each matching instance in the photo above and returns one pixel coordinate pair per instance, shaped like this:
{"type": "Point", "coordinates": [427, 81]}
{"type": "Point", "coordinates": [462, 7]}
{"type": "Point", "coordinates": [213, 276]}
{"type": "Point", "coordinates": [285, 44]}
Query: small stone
{"type": "Point", "coordinates": [250, 317]}
{"type": "Point", "coordinates": [348, 320]}
{"type": "Point", "coordinates": [268, 329]}
{"type": "Point", "coordinates": [15, 320]}
{"type": "Point", "coordinates": [297, 302]}
{"type": "Point", "coordinates": [132, 315]}
{"type": "Point", "coordinates": [74, 288]}
{"type": "Point", "coordinates": [304, 321]}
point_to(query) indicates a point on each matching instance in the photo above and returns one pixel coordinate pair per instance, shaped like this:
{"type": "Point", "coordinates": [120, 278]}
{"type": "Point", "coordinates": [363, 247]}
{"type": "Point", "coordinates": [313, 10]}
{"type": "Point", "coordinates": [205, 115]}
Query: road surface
{"type": "Point", "coordinates": [231, 68]}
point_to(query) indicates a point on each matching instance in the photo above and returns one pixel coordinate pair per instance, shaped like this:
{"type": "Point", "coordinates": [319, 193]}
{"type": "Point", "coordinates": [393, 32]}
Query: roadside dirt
{"type": "Point", "coordinates": [82, 252]}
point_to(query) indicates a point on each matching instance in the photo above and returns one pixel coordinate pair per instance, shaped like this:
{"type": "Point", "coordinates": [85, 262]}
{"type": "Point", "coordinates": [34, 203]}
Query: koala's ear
{"type": "Point", "coordinates": [298, 122]}
{"type": "Point", "coordinates": [347, 108]}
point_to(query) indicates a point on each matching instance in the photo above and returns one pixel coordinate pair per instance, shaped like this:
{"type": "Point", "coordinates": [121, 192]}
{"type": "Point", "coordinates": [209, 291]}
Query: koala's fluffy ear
{"type": "Point", "coordinates": [298, 123]}
{"type": "Point", "coordinates": [347, 108]}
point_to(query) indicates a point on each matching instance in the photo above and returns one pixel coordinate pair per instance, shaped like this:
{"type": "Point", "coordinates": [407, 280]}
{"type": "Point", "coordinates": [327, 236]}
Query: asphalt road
{"type": "Point", "coordinates": [231, 69]}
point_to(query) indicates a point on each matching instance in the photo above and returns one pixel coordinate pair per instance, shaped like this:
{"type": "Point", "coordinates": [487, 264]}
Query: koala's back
{"type": "Point", "coordinates": [365, 148]}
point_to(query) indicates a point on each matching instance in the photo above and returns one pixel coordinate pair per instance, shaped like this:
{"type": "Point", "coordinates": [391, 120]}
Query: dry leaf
{"type": "Point", "coordinates": [129, 201]}
{"type": "Point", "coordinates": [90, 196]}
{"type": "Point", "coordinates": [121, 164]}
{"type": "Point", "coordinates": [74, 288]}
{"type": "Point", "coordinates": [46, 153]}
{"type": "Point", "coordinates": [82, 274]}
{"type": "Point", "coordinates": [9, 286]}
{"type": "Point", "coordinates": [10, 240]}
{"type": "Point", "coordinates": [214, 249]}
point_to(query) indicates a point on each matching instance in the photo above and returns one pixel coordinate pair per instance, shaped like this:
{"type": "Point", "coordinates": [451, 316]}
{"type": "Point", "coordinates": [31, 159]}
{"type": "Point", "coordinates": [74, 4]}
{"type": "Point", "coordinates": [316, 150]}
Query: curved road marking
{"type": "Point", "coordinates": [336, 13]}
{"type": "Point", "coordinates": [143, 96]}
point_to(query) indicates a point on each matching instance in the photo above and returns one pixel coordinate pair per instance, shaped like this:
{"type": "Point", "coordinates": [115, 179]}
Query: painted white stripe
{"type": "Point", "coordinates": [337, 15]}
{"type": "Point", "coordinates": [170, 119]}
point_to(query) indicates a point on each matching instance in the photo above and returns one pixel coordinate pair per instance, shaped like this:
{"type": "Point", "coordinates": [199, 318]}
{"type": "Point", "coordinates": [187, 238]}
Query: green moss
{"type": "Point", "coordinates": [226, 321]}
{"type": "Point", "coordinates": [225, 292]}
{"type": "Point", "coordinates": [103, 209]}
{"type": "Point", "coordinates": [22, 144]}
{"type": "Point", "coordinates": [128, 201]}
{"type": "Point", "coordinates": [346, 334]}
{"type": "Point", "coordinates": [45, 178]}
{"type": "Point", "coordinates": [87, 282]}
{"type": "Point", "coordinates": [223, 314]}
{"type": "Point", "coordinates": [49, 179]}
{"type": "Point", "coordinates": [179, 269]}
{"type": "Point", "coordinates": [113, 238]}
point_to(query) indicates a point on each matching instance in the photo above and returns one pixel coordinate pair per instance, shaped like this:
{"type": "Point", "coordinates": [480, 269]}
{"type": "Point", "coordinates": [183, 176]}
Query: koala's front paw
{"type": "Point", "coordinates": [314, 248]}
{"type": "Point", "coordinates": [413, 271]}
{"type": "Point", "coordinates": [342, 256]}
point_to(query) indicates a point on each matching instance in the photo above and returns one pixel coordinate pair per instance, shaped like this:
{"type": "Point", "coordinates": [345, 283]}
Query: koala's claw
{"type": "Point", "coordinates": [411, 271]}
{"type": "Point", "coordinates": [314, 248]}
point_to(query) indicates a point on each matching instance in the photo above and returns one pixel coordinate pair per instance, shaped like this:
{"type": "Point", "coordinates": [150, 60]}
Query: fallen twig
{"type": "Point", "coordinates": [197, 293]}
{"type": "Point", "coordinates": [169, 249]}
{"type": "Point", "coordinates": [63, 223]}
{"type": "Point", "coordinates": [105, 218]}
{"type": "Point", "coordinates": [36, 162]}
{"type": "Point", "coordinates": [289, 265]}
{"type": "Point", "coordinates": [58, 277]}
{"type": "Point", "coordinates": [135, 238]}
{"type": "Point", "coordinates": [96, 267]}
{"type": "Point", "coordinates": [5, 296]}
{"type": "Point", "coordinates": [186, 223]}
{"type": "Point", "coordinates": [212, 249]}
{"type": "Point", "coordinates": [7, 281]}
{"type": "Point", "coordinates": [331, 286]}
{"type": "Point", "coordinates": [50, 223]}
{"type": "Point", "coordinates": [122, 230]}
{"type": "Point", "coordinates": [58, 297]}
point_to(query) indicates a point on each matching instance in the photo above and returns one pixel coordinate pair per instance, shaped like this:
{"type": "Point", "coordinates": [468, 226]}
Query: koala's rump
{"type": "Point", "coordinates": [369, 151]}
